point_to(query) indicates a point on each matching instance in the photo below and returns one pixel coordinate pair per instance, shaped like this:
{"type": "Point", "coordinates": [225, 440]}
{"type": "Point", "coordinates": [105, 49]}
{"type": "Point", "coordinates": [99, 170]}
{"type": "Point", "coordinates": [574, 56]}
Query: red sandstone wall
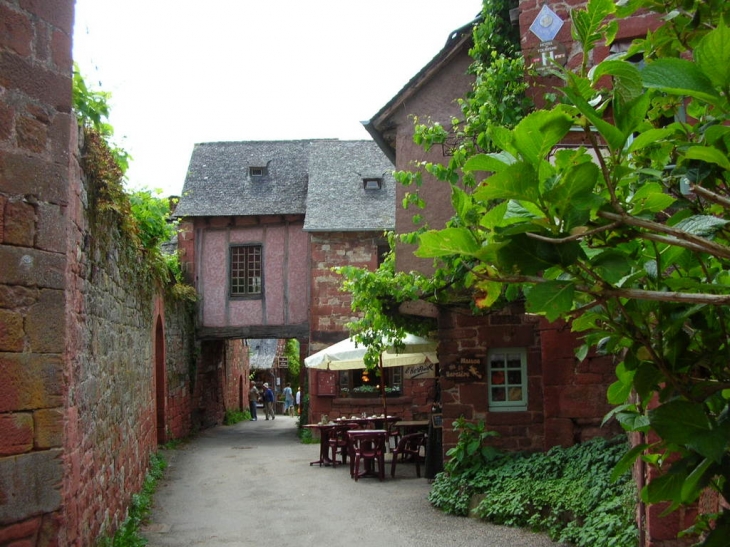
{"type": "Point", "coordinates": [566, 397]}
{"type": "Point", "coordinates": [329, 306]}
{"type": "Point", "coordinates": [35, 122]}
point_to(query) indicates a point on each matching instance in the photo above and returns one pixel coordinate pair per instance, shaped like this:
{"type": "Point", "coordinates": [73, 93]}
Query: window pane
{"type": "Point", "coordinates": [497, 377]}
{"type": "Point", "coordinates": [515, 394]}
{"type": "Point", "coordinates": [498, 394]}
{"type": "Point", "coordinates": [514, 360]}
{"type": "Point", "coordinates": [514, 377]}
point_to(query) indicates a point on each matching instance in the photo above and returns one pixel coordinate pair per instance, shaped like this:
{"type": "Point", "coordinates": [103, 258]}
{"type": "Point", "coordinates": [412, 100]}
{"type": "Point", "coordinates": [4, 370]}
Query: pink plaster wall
{"type": "Point", "coordinates": [285, 299]}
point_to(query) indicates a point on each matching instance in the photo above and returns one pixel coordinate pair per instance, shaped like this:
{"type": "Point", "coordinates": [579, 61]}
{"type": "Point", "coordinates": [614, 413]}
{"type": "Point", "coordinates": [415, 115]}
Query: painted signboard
{"type": "Point", "coordinates": [417, 372]}
{"type": "Point", "coordinates": [465, 369]}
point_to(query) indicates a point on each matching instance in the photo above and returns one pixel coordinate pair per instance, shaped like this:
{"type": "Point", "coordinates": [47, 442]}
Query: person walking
{"type": "Point", "coordinates": [253, 399]}
{"type": "Point", "coordinates": [268, 402]}
{"type": "Point", "coordinates": [288, 401]}
{"type": "Point", "coordinates": [299, 400]}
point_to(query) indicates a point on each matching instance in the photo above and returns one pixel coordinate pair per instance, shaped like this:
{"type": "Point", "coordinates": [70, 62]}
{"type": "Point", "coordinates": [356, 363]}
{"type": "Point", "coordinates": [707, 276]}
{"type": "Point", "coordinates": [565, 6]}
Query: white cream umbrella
{"type": "Point", "coordinates": [348, 355]}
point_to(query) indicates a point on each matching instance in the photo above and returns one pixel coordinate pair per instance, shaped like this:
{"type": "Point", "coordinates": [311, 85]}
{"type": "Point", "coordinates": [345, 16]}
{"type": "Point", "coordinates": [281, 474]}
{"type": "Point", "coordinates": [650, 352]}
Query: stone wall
{"type": "Point", "coordinates": [110, 425]}
{"type": "Point", "coordinates": [181, 368]}
{"type": "Point", "coordinates": [330, 307]}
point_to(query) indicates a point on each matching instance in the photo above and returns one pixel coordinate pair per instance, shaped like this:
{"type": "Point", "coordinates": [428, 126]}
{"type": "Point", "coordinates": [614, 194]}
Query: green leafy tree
{"type": "Point", "coordinates": [627, 238]}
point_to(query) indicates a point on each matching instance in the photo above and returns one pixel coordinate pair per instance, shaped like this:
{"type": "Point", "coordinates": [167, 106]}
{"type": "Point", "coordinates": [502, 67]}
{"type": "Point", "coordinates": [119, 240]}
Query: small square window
{"type": "Point", "coordinates": [257, 172]}
{"type": "Point", "coordinates": [372, 183]}
{"type": "Point", "coordinates": [507, 379]}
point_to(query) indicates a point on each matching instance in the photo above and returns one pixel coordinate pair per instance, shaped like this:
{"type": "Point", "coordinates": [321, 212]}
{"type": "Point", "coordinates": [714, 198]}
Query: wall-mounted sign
{"type": "Point", "coordinates": [547, 24]}
{"type": "Point", "coordinates": [466, 369]}
{"type": "Point", "coordinates": [416, 372]}
{"type": "Point", "coordinates": [546, 55]}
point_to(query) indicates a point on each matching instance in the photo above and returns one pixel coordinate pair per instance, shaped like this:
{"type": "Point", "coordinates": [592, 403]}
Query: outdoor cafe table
{"type": "Point", "coordinates": [378, 422]}
{"type": "Point", "coordinates": [324, 434]}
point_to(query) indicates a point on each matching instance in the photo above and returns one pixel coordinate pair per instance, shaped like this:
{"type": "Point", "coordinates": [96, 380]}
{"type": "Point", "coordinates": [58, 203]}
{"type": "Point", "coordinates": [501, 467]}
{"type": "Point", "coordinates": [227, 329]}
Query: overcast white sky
{"type": "Point", "coordinates": [188, 71]}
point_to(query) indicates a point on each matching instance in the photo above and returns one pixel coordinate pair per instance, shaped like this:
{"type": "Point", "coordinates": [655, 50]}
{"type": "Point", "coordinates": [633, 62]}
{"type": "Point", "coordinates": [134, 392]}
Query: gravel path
{"type": "Point", "coordinates": [251, 484]}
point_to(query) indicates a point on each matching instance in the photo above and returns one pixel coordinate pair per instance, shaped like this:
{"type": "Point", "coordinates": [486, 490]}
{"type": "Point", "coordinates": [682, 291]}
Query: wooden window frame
{"type": "Point", "coordinates": [246, 271]}
{"type": "Point", "coordinates": [511, 379]}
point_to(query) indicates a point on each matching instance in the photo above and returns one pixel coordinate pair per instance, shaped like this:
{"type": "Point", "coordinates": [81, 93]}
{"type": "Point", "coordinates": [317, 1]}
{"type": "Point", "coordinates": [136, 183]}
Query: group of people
{"type": "Point", "coordinates": [292, 402]}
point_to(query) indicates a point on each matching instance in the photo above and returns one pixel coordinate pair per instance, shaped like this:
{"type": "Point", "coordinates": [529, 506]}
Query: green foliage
{"type": "Point", "coordinates": [153, 218]}
{"type": "Point", "coordinates": [626, 239]}
{"type": "Point", "coordinates": [376, 296]}
{"type": "Point", "coordinates": [567, 492]}
{"type": "Point", "coordinates": [232, 417]}
{"type": "Point", "coordinates": [470, 454]}
{"type": "Point", "coordinates": [127, 535]}
{"type": "Point", "coordinates": [92, 108]}
{"type": "Point", "coordinates": [291, 352]}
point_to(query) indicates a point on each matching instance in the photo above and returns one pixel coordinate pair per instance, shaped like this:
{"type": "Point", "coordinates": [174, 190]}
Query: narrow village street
{"type": "Point", "coordinates": [251, 484]}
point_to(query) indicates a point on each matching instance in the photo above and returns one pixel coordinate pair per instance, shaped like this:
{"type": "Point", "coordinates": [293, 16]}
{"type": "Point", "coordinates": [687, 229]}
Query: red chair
{"type": "Point", "coordinates": [409, 445]}
{"type": "Point", "coordinates": [338, 444]}
{"type": "Point", "coordinates": [368, 448]}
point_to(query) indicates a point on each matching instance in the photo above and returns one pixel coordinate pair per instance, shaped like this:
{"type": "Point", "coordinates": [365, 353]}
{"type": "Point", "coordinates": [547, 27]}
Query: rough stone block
{"type": "Point", "coordinates": [51, 225]}
{"type": "Point", "coordinates": [29, 382]}
{"type": "Point", "coordinates": [30, 484]}
{"type": "Point", "coordinates": [31, 134]}
{"type": "Point", "coordinates": [7, 117]}
{"type": "Point", "coordinates": [48, 87]}
{"type": "Point", "coordinates": [11, 331]}
{"type": "Point", "coordinates": [32, 268]}
{"type": "Point", "coordinates": [16, 433]}
{"type": "Point", "coordinates": [45, 324]}
{"type": "Point", "coordinates": [29, 175]}
{"type": "Point", "coordinates": [19, 530]}
{"type": "Point", "coordinates": [48, 428]}
{"type": "Point", "coordinates": [19, 223]}
{"type": "Point", "coordinates": [17, 297]}
{"type": "Point", "coordinates": [17, 31]}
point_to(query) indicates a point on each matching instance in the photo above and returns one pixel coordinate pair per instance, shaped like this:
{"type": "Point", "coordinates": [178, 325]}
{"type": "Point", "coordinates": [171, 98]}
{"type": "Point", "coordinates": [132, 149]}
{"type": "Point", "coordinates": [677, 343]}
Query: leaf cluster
{"type": "Point", "coordinates": [627, 236]}
{"type": "Point", "coordinates": [567, 492]}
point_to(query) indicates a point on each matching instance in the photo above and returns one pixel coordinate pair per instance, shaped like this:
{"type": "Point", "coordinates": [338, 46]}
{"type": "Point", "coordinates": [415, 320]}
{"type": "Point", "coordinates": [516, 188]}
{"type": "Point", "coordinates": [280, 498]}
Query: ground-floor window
{"type": "Point", "coordinates": [507, 373]}
{"type": "Point", "coordinates": [362, 381]}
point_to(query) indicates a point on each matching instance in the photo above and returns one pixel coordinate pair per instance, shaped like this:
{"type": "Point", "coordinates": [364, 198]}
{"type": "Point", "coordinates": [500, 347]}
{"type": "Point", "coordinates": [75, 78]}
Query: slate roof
{"type": "Point", "coordinates": [319, 178]}
{"type": "Point", "coordinates": [337, 200]}
{"type": "Point", "coordinates": [262, 352]}
{"type": "Point", "coordinates": [218, 181]}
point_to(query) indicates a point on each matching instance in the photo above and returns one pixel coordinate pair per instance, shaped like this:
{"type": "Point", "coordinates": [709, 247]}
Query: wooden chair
{"type": "Point", "coordinates": [409, 445]}
{"type": "Point", "coordinates": [370, 450]}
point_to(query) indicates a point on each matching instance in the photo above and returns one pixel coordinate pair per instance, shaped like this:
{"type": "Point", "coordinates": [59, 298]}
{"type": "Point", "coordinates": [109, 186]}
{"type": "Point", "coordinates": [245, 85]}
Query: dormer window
{"type": "Point", "coordinates": [372, 183]}
{"type": "Point", "coordinates": [257, 172]}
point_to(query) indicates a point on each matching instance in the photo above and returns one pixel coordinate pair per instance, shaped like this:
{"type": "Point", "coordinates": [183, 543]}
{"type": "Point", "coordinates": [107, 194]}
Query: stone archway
{"type": "Point", "coordinates": [160, 380]}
